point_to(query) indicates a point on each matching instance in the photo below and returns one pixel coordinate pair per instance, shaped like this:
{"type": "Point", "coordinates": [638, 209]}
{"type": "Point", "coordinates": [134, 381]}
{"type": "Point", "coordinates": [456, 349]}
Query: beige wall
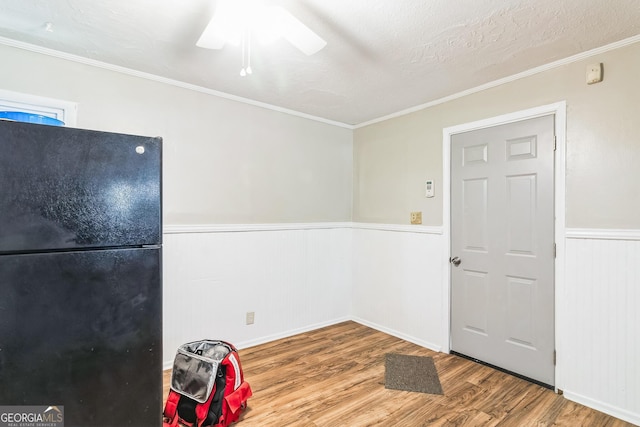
{"type": "Point", "coordinates": [392, 159]}
{"type": "Point", "coordinates": [229, 162]}
{"type": "Point", "coordinates": [224, 161]}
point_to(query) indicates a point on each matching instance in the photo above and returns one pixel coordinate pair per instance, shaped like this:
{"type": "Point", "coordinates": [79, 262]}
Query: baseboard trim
{"type": "Point", "coordinates": [274, 337]}
{"type": "Point", "coordinates": [614, 411]}
{"type": "Point", "coordinates": [291, 332]}
{"type": "Point", "coordinates": [392, 332]}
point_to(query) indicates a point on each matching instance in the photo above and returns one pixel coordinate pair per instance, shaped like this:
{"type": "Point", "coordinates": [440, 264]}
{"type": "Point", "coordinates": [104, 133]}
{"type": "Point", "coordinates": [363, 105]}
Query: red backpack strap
{"type": "Point", "coordinates": [202, 409]}
{"type": "Point", "coordinates": [171, 408]}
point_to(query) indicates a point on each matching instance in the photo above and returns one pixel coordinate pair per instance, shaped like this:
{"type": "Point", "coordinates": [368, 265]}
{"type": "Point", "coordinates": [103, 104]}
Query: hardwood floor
{"type": "Point", "coordinates": [335, 377]}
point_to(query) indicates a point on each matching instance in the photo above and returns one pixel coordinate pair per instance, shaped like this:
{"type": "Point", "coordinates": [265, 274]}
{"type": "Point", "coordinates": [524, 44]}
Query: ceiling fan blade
{"type": "Point", "coordinates": [212, 37]}
{"type": "Point", "coordinates": [299, 34]}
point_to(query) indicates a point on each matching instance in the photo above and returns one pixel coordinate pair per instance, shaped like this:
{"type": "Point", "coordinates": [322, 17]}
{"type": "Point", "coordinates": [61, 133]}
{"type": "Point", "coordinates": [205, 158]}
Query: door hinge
{"type": "Point", "coordinates": [555, 250]}
{"type": "Point", "coordinates": [554, 142]}
{"type": "Point", "coordinates": [554, 357]}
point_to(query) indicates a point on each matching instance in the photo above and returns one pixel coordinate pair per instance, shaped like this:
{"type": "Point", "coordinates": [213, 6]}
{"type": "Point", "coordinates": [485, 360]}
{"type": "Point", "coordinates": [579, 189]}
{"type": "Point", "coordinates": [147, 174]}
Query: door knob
{"type": "Point", "coordinates": [455, 261]}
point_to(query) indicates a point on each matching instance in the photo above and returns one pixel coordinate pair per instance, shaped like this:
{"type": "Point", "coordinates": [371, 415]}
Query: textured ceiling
{"type": "Point", "coordinates": [382, 56]}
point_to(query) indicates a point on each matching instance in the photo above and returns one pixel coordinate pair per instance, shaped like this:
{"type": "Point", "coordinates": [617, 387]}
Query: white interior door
{"type": "Point", "coordinates": [502, 246]}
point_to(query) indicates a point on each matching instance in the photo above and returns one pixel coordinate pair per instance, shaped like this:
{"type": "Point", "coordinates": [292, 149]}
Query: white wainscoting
{"type": "Point", "coordinates": [295, 277]}
{"type": "Point", "coordinates": [397, 281]}
{"type": "Point", "coordinates": [599, 338]}
{"type": "Point", "coordinates": [299, 277]}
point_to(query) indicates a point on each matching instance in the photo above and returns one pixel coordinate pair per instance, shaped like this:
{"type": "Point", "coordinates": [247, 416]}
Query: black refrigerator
{"type": "Point", "coordinates": [80, 274]}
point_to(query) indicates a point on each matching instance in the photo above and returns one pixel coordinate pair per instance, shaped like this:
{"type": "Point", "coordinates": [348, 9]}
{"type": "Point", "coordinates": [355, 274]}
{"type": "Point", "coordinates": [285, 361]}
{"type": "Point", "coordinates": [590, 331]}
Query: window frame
{"type": "Point", "coordinates": [65, 111]}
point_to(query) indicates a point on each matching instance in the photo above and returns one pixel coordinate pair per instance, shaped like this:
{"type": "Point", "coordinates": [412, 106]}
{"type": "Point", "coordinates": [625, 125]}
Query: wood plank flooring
{"type": "Point", "coordinates": [334, 377]}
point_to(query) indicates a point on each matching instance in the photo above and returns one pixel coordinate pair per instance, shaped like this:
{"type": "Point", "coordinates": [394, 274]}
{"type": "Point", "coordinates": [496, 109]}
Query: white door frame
{"type": "Point", "coordinates": [558, 109]}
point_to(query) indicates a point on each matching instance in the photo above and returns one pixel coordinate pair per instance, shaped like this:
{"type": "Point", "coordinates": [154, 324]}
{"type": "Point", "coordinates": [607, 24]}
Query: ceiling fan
{"type": "Point", "coordinates": [238, 21]}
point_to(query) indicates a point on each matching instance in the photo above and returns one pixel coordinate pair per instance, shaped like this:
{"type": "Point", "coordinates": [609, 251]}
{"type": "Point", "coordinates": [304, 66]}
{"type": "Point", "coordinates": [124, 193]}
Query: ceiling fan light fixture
{"type": "Point", "coordinates": [234, 20]}
{"type": "Point", "coordinates": [230, 22]}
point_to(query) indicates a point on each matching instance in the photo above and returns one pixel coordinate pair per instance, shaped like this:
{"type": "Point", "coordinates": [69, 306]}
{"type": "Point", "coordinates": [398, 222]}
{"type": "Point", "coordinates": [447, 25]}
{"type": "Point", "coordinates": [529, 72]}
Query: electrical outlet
{"type": "Point", "coordinates": [251, 315]}
{"type": "Point", "coordinates": [416, 217]}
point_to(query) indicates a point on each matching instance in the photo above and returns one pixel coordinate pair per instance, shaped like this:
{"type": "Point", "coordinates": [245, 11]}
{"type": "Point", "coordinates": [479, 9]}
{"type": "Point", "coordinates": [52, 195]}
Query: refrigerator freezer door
{"type": "Point", "coordinates": [65, 188]}
{"type": "Point", "coordinates": [84, 330]}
